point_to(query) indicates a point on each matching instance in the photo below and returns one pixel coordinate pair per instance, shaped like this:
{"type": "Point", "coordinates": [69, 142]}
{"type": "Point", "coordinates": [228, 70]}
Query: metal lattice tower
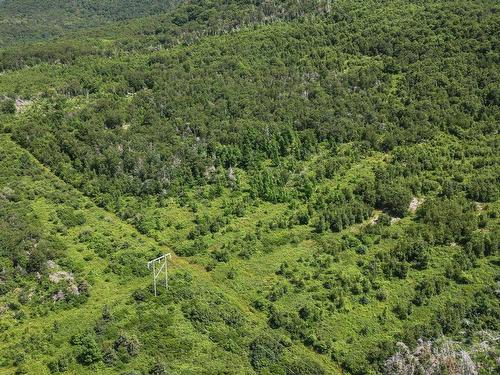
{"type": "Point", "coordinates": [158, 266]}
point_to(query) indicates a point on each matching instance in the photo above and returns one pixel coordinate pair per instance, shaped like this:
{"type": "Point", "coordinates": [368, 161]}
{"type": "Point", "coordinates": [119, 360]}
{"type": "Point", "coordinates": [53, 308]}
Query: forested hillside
{"type": "Point", "coordinates": [326, 175]}
{"type": "Point", "coordinates": [28, 20]}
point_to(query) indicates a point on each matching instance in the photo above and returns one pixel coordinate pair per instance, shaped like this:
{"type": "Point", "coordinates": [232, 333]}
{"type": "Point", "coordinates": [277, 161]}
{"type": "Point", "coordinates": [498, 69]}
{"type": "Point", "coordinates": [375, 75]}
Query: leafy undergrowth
{"type": "Point", "coordinates": [251, 266]}
{"type": "Point", "coordinates": [328, 184]}
{"type": "Point", "coordinates": [114, 322]}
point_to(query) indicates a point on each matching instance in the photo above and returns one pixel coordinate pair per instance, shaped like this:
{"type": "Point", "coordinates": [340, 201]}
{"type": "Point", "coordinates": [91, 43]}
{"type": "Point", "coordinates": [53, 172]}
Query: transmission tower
{"type": "Point", "coordinates": [157, 266]}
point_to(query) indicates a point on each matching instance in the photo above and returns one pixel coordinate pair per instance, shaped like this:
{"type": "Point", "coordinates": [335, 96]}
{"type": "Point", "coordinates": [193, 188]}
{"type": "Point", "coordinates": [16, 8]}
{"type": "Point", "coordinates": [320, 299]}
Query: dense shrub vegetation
{"type": "Point", "coordinates": [326, 174]}
{"type": "Point", "coordinates": [28, 20]}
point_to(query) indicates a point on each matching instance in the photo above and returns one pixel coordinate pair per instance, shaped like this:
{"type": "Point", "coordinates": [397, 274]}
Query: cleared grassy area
{"type": "Point", "coordinates": [49, 328]}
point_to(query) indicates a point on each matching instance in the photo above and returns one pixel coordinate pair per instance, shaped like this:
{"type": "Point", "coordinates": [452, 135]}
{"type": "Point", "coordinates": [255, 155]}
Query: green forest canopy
{"type": "Point", "coordinates": [326, 173]}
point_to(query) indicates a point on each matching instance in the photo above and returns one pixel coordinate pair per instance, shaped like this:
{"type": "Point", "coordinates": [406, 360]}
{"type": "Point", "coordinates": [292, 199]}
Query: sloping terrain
{"type": "Point", "coordinates": [76, 291]}
{"type": "Point", "coordinates": [29, 20]}
{"type": "Point", "coordinates": [326, 174]}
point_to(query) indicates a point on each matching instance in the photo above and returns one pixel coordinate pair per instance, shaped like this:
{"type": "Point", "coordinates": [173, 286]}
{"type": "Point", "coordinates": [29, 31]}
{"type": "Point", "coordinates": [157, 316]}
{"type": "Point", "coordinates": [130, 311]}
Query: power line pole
{"type": "Point", "coordinates": [158, 266]}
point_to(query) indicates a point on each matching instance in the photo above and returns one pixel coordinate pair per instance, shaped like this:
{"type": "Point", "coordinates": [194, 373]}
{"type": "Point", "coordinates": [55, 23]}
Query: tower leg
{"type": "Point", "coordinates": [166, 273]}
{"type": "Point", "coordinates": [154, 278]}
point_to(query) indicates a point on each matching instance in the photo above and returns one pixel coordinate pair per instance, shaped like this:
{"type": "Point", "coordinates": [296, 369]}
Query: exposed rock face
{"type": "Point", "coordinates": [74, 289]}
{"type": "Point", "coordinates": [231, 175]}
{"type": "Point", "coordinates": [394, 220]}
{"type": "Point", "coordinates": [22, 104]}
{"type": "Point", "coordinates": [61, 275]}
{"type": "Point", "coordinates": [58, 296]}
{"type": "Point", "coordinates": [374, 219]}
{"type": "Point", "coordinates": [415, 204]}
